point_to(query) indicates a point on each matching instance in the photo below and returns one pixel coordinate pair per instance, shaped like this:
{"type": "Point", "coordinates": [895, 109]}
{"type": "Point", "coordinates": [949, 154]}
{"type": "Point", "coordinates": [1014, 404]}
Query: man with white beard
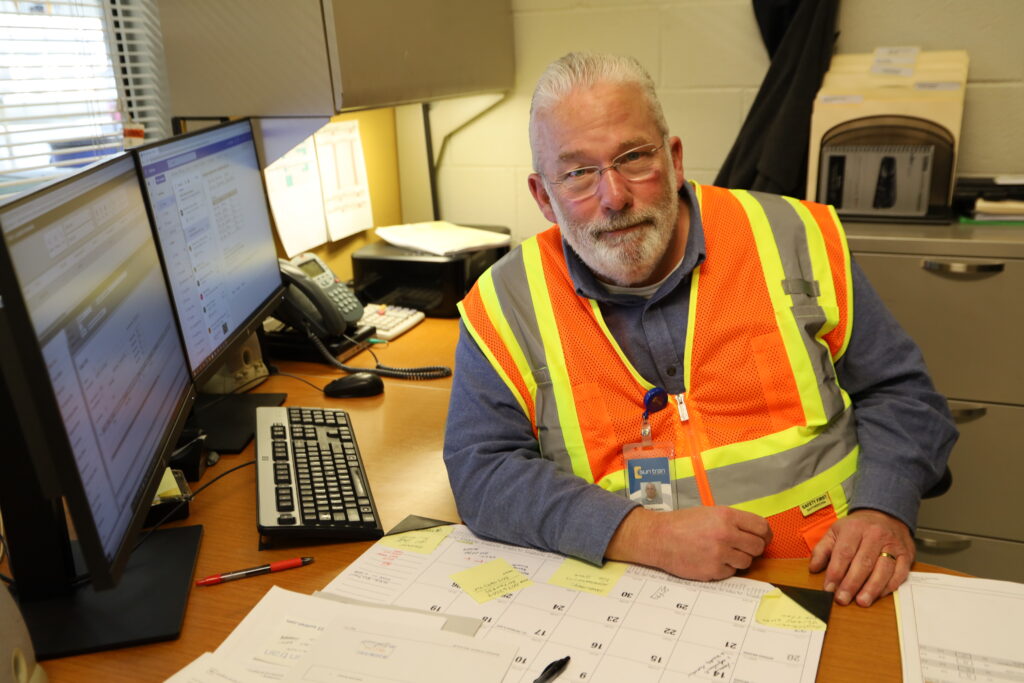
{"type": "Point", "coordinates": [703, 331]}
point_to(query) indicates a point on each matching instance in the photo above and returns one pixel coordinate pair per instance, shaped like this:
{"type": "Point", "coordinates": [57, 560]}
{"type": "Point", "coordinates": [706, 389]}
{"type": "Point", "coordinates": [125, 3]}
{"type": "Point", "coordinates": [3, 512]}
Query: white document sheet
{"type": "Point", "coordinates": [624, 623]}
{"type": "Point", "coordinates": [293, 187]}
{"type": "Point", "coordinates": [283, 626]}
{"type": "Point", "coordinates": [955, 628]}
{"type": "Point", "coordinates": [213, 668]}
{"type": "Point", "coordinates": [346, 191]}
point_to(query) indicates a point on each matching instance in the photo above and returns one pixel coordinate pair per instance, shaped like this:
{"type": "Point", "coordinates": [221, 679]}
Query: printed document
{"type": "Point", "coordinates": [617, 623]}
{"type": "Point", "coordinates": [957, 628]}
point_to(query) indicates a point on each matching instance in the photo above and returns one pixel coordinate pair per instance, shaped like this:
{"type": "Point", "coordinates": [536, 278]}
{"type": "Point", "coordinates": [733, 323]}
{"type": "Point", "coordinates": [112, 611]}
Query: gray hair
{"type": "Point", "coordinates": [586, 69]}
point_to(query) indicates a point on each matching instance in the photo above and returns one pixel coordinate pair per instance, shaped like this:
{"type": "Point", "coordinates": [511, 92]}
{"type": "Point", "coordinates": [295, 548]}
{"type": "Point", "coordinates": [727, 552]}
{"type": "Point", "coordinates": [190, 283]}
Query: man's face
{"type": "Point", "coordinates": [650, 490]}
{"type": "Point", "coordinates": [627, 231]}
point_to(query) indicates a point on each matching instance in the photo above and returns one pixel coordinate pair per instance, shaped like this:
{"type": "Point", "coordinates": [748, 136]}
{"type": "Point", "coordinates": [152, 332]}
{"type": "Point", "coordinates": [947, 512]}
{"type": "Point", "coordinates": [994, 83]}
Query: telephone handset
{"type": "Point", "coordinates": [316, 300]}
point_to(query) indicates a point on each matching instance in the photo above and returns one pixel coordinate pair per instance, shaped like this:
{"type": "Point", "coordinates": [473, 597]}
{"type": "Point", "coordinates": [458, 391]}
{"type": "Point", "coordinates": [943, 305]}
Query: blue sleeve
{"type": "Point", "coordinates": [903, 424]}
{"type": "Point", "coordinates": [503, 488]}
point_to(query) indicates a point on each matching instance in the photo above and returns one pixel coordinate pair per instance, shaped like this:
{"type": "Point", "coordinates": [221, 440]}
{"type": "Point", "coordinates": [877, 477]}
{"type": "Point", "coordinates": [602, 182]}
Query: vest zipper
{"type": "Point", "coordinates": [699, 474]}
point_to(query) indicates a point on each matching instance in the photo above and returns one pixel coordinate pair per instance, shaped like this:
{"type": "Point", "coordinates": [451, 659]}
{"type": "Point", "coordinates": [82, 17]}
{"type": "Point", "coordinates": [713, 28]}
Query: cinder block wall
{"type": "Point", "coordinates": [708, 61]}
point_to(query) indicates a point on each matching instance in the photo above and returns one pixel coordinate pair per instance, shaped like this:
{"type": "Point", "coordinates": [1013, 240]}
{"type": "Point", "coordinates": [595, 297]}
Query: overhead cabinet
{"type": "Point", "coordinates": [318, 57]}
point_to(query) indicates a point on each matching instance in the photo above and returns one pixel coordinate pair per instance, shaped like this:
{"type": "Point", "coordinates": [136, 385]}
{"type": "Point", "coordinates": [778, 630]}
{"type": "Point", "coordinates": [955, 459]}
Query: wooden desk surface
{"type": "Point", "coordinates": [400, 436]}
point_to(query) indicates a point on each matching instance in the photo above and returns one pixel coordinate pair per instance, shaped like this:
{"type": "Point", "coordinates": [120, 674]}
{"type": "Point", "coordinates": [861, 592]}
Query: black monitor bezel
{"type": "Point", "coordinates": [42, 428]}
{"type": "Point", "coordinates": [254, 321]}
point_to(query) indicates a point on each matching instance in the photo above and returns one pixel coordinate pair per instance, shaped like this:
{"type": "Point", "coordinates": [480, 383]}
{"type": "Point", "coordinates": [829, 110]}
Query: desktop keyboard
{"type": "Point", "coordinates": [390, 321]}
{"type": "Point", "coordinates": [310, 479]}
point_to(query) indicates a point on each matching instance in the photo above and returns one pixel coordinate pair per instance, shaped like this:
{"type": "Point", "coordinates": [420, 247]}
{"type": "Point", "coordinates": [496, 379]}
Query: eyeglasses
{"type": "Point", "coordinates": [640, 163]}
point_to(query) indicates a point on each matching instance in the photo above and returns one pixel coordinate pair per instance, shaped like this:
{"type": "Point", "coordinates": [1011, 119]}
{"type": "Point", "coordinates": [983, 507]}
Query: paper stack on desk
{"type": "Point", "coordinates": [960, 628]}
{"type": "Point", "coordinates": [441, 238]}
{"type": "Point", "coordinates": [289, 637]}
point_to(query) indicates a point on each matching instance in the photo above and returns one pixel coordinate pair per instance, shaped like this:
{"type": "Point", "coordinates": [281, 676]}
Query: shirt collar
{"type": "Point", "coordinates": [587, 285]}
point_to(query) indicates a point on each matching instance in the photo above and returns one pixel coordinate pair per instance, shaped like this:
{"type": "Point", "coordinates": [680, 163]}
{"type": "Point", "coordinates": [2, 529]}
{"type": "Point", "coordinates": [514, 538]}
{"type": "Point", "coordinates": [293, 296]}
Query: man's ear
{"type": "Point", "coordinates": [675, 148]}
{"type": "Point", "coordinates": [540, 195]}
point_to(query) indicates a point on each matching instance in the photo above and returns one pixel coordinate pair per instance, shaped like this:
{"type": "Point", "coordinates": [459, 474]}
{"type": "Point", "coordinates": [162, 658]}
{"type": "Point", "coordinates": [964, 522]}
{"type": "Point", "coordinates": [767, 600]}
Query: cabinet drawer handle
{"type": "Point", "coordinates": [965, 412]}
{"type": "Point", "coordinates": [943, 546]}
{"type": "Point", "coordinates": [960, 267]}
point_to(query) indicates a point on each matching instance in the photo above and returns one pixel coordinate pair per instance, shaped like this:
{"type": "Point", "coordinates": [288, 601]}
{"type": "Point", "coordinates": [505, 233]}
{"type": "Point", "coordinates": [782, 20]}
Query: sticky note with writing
{"type": "Point", "coordinates": [781, 611]}
{"type": "Point", "coordinates": [491, 580]}
{"type": "Point", "coordinates": [423, 541]}
{"type": "Point", "coordinates": [586, 577]}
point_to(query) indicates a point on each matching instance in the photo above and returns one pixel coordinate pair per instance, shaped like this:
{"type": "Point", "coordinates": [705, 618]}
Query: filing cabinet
{"type": "Point", "coordinates": [959, 292]}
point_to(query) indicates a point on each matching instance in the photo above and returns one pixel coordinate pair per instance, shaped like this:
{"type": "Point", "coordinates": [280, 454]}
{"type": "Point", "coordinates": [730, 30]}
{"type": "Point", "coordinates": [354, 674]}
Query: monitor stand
{"type": "Point", "coordinates": [229, 420]}
{"type": "Point", "coordinates": [146, 606]}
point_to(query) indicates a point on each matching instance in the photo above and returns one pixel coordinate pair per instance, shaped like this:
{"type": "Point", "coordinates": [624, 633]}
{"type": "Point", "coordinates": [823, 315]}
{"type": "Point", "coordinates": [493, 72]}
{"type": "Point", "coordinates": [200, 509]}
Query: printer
{"type": "Point", "coordinates": [386, 274]}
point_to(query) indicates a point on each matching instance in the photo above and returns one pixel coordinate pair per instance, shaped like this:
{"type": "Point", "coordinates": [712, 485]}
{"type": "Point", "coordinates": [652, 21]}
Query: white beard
{"type": "Point", "coordinates": [629, 259]}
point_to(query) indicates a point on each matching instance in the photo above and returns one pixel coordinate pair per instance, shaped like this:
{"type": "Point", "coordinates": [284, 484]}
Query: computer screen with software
{"type": "Point", "coordinates": [209, 207]}
{"type": "Point", "coordinates": [96, 389]}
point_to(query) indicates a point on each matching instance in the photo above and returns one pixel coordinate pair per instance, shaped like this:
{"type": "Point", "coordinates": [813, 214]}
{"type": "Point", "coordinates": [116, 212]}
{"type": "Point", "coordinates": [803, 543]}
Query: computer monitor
{"type": "Point", "coordinates": [95, 386]}
{"type": "Point", "coordinates": [209, 209]}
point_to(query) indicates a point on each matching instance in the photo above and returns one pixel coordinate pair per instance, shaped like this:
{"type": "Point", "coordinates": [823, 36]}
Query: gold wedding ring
{"type": "Point", "coordinates": [885, 554]}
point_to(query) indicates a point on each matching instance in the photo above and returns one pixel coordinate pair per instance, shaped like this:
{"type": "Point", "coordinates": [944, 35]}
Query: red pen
{"type": "Point", "coordinates": [278, 566]}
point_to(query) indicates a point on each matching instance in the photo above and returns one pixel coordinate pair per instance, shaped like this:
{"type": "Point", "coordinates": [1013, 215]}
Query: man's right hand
{"type": "Point", "coordinates": [701, 543]}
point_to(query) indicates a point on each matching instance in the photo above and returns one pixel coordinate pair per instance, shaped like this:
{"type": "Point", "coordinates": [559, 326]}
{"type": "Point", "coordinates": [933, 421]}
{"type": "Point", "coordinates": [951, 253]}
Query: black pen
{"type": "Point", "coordinates": [552, 670]}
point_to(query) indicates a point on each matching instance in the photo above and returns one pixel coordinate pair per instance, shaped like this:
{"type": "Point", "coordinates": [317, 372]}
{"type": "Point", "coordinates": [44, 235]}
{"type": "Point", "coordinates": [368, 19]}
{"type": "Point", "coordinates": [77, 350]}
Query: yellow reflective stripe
{"type": "Point", "coordinates": [613, 481]}
{"type": "Point", "coordinates": [745, 451]}
{"type": "Point", "coordinates": [804, 491]}
{"type": "Point", "coordinates": [849, 281]}
{"type": "Point", "coordinates": [803, 374]}
{"type": "Point", "coordinates": [691, 314]}
{"type": "Point", "coordinates": [821, 266]}
{"type": "Point", "coordinates": [492, 307]}
{"type": "Point", "coordinates": [565, 404]}
{"type": "Point", "coordinates": [615, 345]}
{"type": "Point", "coordinates": [837, 494]}
{"type": "Point", "coordinates": [493, 361]}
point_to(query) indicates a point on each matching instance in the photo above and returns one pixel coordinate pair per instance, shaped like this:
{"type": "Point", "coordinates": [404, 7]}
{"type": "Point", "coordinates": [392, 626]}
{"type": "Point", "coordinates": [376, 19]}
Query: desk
{"type": "Point", "coordinates": [400, 436]}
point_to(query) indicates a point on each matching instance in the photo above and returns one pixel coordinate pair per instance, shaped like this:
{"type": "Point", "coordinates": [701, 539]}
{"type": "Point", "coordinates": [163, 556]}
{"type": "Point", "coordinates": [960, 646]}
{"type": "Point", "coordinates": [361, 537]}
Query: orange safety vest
{"type": "Point", "coordinates": [763, 426]}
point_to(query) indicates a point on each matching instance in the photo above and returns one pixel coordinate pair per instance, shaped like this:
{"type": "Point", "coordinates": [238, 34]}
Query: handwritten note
{"type": "Point", "coordinates": [423, 541]}
{"type": "Point", "coordinates": [781, 611]}
{"type": "Point", "coordinates": [491, 580]}
{"type": "Point", "coordinates": [586, 577]}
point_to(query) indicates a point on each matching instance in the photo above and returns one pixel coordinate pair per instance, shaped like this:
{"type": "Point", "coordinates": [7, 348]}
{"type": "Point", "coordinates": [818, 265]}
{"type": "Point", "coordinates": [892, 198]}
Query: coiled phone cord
{"type": "Point", "coordinates": [425, 372]}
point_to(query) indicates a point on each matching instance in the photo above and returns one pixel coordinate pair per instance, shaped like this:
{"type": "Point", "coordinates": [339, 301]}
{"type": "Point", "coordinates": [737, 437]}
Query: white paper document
{"type": "Point", "coordinates": [293, 187]}
{"type": "Point", "coordinates": [346, 191]}
{"type": "Point", "coordinates": [617, 623]}
{"type": "Point", "coordinates": [955, 628]}
{"type": "Point", "coordinates": [441, 238]}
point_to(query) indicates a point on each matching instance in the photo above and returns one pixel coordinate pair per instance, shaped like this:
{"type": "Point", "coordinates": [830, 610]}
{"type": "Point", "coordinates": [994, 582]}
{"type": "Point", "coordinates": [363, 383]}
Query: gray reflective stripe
{"type": "Point", "coordinates": [794, 253]}
{"type": "Point", "coordinates": [513, 291]}
{"type": "Point", "coordinates": [687, 495]}
{"type": "Point", "coordinates": [781, 471]}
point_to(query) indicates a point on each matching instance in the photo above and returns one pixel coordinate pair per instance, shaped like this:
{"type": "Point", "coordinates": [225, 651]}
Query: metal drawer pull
{"type": "Point", "coordinates": [959, 267]}
{"type": "Point", "coordinates": [966, 411]}
{"type": "Point", "coordinates": [943, 546]}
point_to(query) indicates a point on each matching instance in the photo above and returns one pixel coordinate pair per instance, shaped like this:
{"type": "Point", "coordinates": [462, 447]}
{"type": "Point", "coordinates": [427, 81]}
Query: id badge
{"type": "Point", "coordinates": [648, 474]}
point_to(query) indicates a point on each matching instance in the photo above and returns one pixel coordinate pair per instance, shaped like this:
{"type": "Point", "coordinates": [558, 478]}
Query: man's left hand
{"type": "Point", "coordinates": [866, 555]}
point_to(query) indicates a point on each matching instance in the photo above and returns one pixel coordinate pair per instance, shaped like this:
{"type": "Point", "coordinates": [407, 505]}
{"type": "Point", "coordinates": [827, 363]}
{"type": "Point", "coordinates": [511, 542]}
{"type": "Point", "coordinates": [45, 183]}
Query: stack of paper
{"type": "Point", "coordinates": [441, 238]}
{"type": "Point", "coordinates": [289, 636]}
{"type": "Point", "coordinates": [960, 628]}
{"type": "Point", "coordinates": [1001, 210]}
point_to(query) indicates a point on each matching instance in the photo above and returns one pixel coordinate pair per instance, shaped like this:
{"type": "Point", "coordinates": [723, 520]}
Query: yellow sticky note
{"type": "Point", "coordinates": [423, 541]}
{"type": "Point", "coordinates": [781, 611]}
{"type": "Point", "coordinates": [491, 580]}
{"type": "Point", "coordinates": [586, 577]}
{"type": "Point", "coordinates": [168, 486]}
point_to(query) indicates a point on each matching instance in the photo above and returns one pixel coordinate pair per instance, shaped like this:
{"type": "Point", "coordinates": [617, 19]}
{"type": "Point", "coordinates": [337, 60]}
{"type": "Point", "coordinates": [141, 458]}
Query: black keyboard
{"type": "Point", "coordinates": [310, 479]}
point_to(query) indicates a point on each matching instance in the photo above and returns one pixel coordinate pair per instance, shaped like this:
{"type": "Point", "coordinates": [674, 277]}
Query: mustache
{"type": "Point", "coordinates": [620, 222]}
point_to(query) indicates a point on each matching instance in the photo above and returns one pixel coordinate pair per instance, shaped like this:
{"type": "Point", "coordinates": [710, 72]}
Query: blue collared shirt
{"type": "Point", "coordinates": [505, 490]}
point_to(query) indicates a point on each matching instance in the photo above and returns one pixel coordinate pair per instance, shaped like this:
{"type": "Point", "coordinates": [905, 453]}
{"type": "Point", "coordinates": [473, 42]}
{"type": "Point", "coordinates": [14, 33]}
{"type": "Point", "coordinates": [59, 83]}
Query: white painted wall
{"type": "Point", "coordinates": [708, 61]}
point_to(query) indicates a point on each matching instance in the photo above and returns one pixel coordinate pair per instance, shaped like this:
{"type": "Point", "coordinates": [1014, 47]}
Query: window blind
{"type": "Point", "coordinates": [70, 71]}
